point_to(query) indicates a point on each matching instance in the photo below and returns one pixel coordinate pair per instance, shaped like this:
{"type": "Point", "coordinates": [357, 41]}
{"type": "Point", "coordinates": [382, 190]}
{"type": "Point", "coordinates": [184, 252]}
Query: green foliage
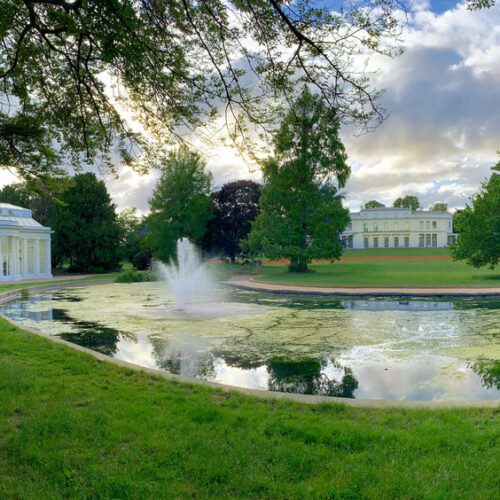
{"type": "Point", "coordinates": [440, 207]}
{"type": "Point", "coordinates": [180, 206]}
{"type": "Point", "coordinates": [31, 195]}
{"type": "Point", "coordinates": [134, 242]}
{"type": "Point", "coordinates": [75, 427]}
{"type": "Point", "coordinates": [134, 277]}
{"type": "Point", "coordinates": [301, 214]}
{"type": "Point", "coordinates": [373, 204]}
{"type": "Point", "coordinates": [85, 226]}
{"type": "Point", "coordinates": [173, 64]}
{"type": "Point", "coordinates": [478, 226]}
{"type": "Point", "coordinates": [236, 205]}
{"type": "Point", "coordinates": [407, 202]}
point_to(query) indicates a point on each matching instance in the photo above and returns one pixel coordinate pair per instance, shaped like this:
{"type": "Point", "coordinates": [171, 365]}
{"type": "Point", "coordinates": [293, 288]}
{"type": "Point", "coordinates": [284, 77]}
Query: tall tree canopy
{"type": "Point", "coordinates": [440, 207]}
{"type": "Point", "coordinates": [180, 206]}
{"type": "Point", "coordinates": [373, 204]}
{"type": "Point", "coordinates": [407, 202]}
{"type": "Point", "coordinates": [86, 231]}
{"type": "Point", "coordinates": [65, 66]}
{"type": "Point", "coordinates": [478, 226]}
{"type": "Point", "coordinates": [236, 205]}
{"type": "Point", "coordinates": [301, 215]}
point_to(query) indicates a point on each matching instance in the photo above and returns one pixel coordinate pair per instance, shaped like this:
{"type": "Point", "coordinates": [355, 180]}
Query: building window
{"type": "Point", "coordinates": [420, 240]}
{"type": "Point", "coordinates": [434, 240]}
{"type": "Point", "coordinates": [421, 224]}
{"type": "Point", "coordinates": [396, 241]}
{"type": "Point", "coordinates": [365, 227]}
{"type": "Point", "coordinates": [434, 224]}
{"type": "Point", "coordinates": [407, 225]}
{"type": "Point", "coordinates": [396, 226]}
{"type": "Point", "coordinates": [349, 226]}
{"type": "Point", "coordinates": [350, 240]}
{"type": "Point", "coordinates": [427, 240]}
{"type": "Point", "coordinates": [427, 224]}
{"type": "Point", "coordinates": [407, 241]}
{"type": "Point", "coordinates": [375, 226]}
{"type": "Point", "coordinates": [375, 242]}
{"type": "Point", "coordinates": [386, 226]}
{"type": "Point", "coordinates": [344, 241]}
{"type": "Point", "coordinates": [365, 241]}
{"type": "Point", "coordinates": [386, 242]}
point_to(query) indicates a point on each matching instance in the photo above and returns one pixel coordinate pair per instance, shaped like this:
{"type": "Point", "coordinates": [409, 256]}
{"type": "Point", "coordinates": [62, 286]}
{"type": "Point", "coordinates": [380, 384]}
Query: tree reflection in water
{"type": "Point", "coordinates": [489, 371]}
{"type": "Point", "coordinates": [306, 377]}
{"type": "Point", "coordinates": [89, 334]}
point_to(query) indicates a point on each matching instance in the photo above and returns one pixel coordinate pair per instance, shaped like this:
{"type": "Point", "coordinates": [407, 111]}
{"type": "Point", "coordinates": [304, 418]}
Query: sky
{"type": "Point", "coordinates": [443, 130]}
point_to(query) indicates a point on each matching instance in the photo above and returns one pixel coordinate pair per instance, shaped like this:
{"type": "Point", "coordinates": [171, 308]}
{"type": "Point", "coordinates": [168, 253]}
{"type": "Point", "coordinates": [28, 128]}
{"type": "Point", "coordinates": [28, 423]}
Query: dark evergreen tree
{"type": "Point", "coordinates": [86, 231]}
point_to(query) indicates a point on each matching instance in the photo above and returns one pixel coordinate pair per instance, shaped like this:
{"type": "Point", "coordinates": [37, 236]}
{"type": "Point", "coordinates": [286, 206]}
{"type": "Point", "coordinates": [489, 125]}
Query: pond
{"type": "Point", "coordinates": [408, 349]}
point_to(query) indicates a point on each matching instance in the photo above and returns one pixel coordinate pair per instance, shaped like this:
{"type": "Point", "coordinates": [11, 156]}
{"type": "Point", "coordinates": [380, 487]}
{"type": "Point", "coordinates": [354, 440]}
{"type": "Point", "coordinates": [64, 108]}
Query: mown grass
{"type": "Point", "coordinates": [386, 273]}
{"type": "Point", "coordinates": [397, 252]}
{"type": "Point", "coordinates": [74, 427]}
{"type": "Point", "coordinates": [7, 287]}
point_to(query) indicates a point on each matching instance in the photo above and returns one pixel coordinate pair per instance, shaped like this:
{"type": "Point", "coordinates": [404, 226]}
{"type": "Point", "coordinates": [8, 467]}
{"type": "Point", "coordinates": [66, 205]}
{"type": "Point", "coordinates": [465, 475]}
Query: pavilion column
{"type": "Point", "coordinates": [48, 268]}
{"type": "Point", "coordinates": [14, 257]}
{"type": "Point", "coordinates": [37, 256]}
{"type": "Point", "coordinates": [25, 257]}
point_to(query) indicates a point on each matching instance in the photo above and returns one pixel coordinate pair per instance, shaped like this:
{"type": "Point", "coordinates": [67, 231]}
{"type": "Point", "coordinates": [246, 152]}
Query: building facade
{"type": "Point", "coordinates": [398, 228]}
{"type": "Point", "coordinates": [24, 245]}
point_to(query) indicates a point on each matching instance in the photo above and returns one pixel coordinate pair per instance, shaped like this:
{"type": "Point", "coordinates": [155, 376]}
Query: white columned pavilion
{"type": "Point", "coordinates": [24, 245]}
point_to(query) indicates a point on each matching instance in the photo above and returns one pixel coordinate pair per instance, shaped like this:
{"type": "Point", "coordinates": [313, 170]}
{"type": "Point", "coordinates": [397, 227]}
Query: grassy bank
{"type": "Point", "coordinates": [386, 273]}
{"type": "Point", "coordinates": [397, 252]}
{"type": "Point", "coordinates": [73, 427]}
{"type": "Point", "coordinates": [16, 285]}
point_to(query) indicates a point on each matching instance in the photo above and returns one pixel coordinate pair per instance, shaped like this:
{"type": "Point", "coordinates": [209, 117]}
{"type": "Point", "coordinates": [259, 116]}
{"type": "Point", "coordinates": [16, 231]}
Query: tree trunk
{"type": "Point", "coordinates": [298, 266]}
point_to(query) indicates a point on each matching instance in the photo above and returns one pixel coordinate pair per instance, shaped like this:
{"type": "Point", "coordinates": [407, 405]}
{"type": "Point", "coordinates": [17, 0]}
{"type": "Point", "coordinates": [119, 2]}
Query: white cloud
{"type": "Point", "coordinates": [440, 139]}
{"type": "Point", "coordinates": [444, 127]}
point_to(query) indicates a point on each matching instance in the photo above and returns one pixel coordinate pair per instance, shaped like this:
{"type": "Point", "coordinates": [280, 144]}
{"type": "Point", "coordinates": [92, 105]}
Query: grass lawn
{"type": "Point", "coordinates": [74, 427]}
{"type": "Point", "coordinates": [386, 273]}
{"type": "Point", "coordinates": [397, 252]}
{"type": "Point", "coordinates": [15, 285]}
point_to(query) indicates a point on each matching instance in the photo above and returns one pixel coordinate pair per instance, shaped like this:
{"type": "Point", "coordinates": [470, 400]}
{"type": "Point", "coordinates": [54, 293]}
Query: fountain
{"type": "Point", "coordinates": [188, 278]}
{"type": "Point", "coordinates": [195, 291]}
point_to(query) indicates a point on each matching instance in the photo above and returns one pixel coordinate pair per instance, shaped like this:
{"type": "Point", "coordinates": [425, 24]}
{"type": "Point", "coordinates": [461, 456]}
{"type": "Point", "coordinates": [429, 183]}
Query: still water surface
{"type": "Point", "coordinates": [404, 349]}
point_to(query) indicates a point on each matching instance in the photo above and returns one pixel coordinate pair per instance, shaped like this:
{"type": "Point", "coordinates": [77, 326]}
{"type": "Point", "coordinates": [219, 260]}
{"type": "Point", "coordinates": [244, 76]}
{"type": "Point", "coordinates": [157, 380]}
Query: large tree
{"type": "Point", "coordinates": [180, 205]}
{"type": "Point", "coordinates": [478, 226]}
{"type": "Point", "coordinates": [236, 205]}
{"type": "Point", "coordinates": [407, 202]}
{"type": "Point", "coordinates": [373, 204]}
{"type": "Point", "coordinates": [69, 68]}
{"type": "Point", "coordinates": [86, 231]}
{"type": "Point", "coordinates": [301, 213]}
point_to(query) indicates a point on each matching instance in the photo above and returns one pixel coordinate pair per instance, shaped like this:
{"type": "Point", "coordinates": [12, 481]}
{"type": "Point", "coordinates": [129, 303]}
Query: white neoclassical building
{"type": "Point", "coordinates": [24, 245]}
{"type": "Point", "coordinates": [398, 228]}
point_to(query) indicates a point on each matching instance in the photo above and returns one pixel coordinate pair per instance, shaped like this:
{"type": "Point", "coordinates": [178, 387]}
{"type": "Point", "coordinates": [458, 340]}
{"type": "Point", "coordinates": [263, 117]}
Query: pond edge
{"type": "Point", "coordinates": [260, 393]}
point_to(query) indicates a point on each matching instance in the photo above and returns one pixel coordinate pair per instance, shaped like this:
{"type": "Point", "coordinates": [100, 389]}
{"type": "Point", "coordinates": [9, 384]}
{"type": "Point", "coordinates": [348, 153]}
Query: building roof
{"type": "Point", "coordinates": [12, 216]}
{"type": "Point", "coordinates": [399, 211]}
